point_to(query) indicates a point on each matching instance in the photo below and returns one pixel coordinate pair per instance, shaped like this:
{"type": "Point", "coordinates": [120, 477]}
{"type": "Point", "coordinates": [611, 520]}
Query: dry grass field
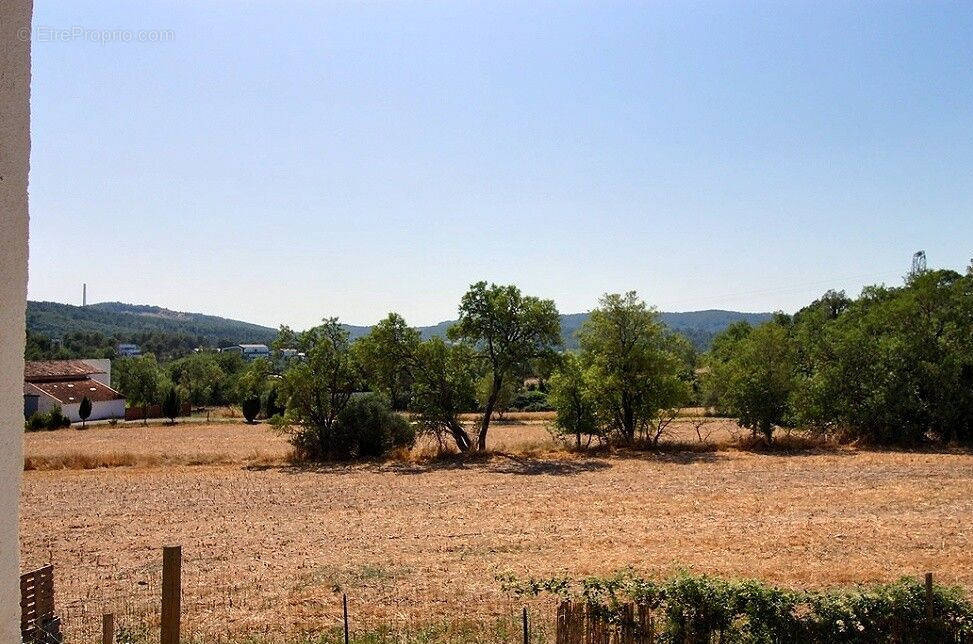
{"type": "Point", "coordinates": [415, 541]}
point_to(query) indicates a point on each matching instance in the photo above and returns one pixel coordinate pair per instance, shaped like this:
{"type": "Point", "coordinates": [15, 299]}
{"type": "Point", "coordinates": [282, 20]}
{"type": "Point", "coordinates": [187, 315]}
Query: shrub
{"type": "Point", "coordinates": [270, 401]}
{"type": "Point", "coordinates": [531, 400]}
{"type": "Point", "coordinates": [56, 419]}
{"type": "Point", "coordinates": [694, 608]}
{"type": "Point", "coordinates": [366, 428]}
{"type": "Point", "coordinates": [170, 404]}
{"type": "Point", "coordinates": [36, 422]}
{"type": "Point", "coordinates": [51, 420]}
{"type": "Point", "coordinates": [250, 408]}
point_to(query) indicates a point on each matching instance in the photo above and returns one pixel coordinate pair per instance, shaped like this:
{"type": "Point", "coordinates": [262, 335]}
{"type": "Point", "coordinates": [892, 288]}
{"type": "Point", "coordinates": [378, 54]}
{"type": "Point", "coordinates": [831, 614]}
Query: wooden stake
{"type": "Point", "coordinates": [526, 629]}
{"type": "Point", "coordinates": [171, 593]}
{"type": "Point", "coordinates": [108, 628]}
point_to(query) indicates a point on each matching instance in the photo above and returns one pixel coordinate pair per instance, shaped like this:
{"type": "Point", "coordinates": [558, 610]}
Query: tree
{"type": "Point", "coordinates": [170, 404]}
{"type": "Point", "coordinates": [253, 381]}
{"type": "Point", "coordinates": [84, 410]}
{"type": "Point", "coordinates": [141, 380]}
{"type": "Point", "coordinates": [508, 331]}
{"type": "Point", "coordinates": [756, 383]}
{"type": "Point", "coordinates": [571, 399]}
{"type": "Point", "coordinates": [318, 389]}
{"type": "Point", "coordinates": [443, 387]}
{"type": "Point", "coordinates": [504, 397]}
{"type": "Point", "coordinates": [250, 407]}
{"type": "Point", "coordinates": [385, 356]}
{"type": "Point", "coordinates": [633, 376]}
{"type": "Point", "coordinates": [198, 375]}
{"type": "Point", "coordinates": [895, 365]}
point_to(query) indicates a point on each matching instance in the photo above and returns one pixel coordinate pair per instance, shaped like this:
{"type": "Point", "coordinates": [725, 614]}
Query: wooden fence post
{"type": "Point", "coordinates": [526, 629]}
{"type": "Point", "coordinates": [171, 593]}
{"type": "Point", "coordinates": [108, 628]}
{"type": "Point", "coordinates": [344, 602]}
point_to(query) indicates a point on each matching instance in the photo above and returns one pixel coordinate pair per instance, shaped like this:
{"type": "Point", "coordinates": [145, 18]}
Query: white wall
{"type": "Point", "coordinates": [103, 409]}
{"type": "Point", "coordinates": [105, 365]}
{"type": "Point", "coordinates": [14, 163]}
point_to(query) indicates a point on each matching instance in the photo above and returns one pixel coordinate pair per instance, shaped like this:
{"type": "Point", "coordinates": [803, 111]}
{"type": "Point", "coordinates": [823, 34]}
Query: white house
{"type": "Point", "coordinates": [249, 351]}
{"type": "Point", "coordinates": [124, 349]}
{"type": "Point", "coordinates": [50, 383]}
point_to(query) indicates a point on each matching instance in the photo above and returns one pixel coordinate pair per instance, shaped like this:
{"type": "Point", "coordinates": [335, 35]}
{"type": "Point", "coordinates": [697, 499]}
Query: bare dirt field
{"type": "Point", "coordinates": [422, 542]}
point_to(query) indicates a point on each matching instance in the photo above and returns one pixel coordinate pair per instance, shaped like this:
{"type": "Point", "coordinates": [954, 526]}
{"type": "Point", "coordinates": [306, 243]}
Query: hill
{"type": "Point", "coordinates": [125, 321]}
{"type": "Point", "coordinates": [132, 321]}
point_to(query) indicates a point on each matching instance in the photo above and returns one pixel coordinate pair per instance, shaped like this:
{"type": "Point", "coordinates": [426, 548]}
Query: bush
{"type": "Point", "coordinates": [694, 608]}
{"type": "Point", "coordinates": [54, 419]}
{"type": "Point", "coordinates": [250, 408]}
{"type": "Point", "coordinates": [366, 428]}
{"type": "Point", "coordinates": [531, 400]}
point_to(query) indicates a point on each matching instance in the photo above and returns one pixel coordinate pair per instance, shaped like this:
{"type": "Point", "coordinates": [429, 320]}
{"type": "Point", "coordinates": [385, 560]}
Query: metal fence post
{"type": "Point", "coordinates": [171, 591]}
{"type": "Point", "coordinates": [526, 629]}
{"type": "Point", "coordinates": [344, 603]}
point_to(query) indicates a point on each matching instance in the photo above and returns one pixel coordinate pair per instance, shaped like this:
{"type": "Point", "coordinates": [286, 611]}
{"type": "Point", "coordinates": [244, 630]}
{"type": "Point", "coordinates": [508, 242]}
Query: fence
{"type": "Point", "coordinates": [102, 599]}
{"type": "Point", "coordinates": [154, 411]}
{"type": "Point", "coordinates": [182, 600]}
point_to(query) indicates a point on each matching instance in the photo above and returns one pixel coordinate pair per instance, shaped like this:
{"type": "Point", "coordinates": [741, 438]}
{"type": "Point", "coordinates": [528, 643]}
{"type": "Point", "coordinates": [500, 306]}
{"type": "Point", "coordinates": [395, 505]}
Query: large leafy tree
{"type": "Point", "coordinates": [385, 356]}
{"type": "Point", "coordinates": [443, 387]}
{"type": "Point", "coordinates": [318, 388]}
{"type": "Point", "coordinates": [198, 376]}
{"type": "Point", "coordinates": [895, 365]}
{"type": "Point", "coordinates": [757, 381]}
{"type": "Point", "coordinates": [508, 330]}
{"type": "Point", "coordinates": [632, 373]}
{"type": "Point", "coordinates": [141, 380]}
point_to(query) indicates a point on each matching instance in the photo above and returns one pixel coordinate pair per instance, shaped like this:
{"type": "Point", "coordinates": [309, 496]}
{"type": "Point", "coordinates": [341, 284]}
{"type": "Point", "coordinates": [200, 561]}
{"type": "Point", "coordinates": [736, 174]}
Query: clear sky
{"type": "Point", "coordinates": [281, 162]}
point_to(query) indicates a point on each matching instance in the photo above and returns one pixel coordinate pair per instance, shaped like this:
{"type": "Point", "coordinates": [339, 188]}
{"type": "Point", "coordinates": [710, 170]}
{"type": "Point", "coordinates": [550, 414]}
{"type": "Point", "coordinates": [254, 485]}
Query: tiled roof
{"type": "Point", "coordinates": [45, 370]}
{"type": "Point", "coordinates": [69, 392]}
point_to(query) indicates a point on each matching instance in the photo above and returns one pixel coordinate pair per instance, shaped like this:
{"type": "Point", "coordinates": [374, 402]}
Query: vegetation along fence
{"type": "Point", "coordinates": [173, 603]}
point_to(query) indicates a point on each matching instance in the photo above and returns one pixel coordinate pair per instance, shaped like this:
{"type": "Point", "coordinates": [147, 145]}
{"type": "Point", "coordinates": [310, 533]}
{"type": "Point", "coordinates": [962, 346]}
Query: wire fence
{"type": "Point", "coordinates": [249, 606]}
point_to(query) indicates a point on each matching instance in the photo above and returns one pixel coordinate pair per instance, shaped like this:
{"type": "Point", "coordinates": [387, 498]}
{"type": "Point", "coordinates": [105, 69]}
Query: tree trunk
{"type": "Point", "coordinates": [462, 439]}
{"type": "Point", "coordinates": [488, 413]}
{"type": "Point", "coordinates": [628, 423]}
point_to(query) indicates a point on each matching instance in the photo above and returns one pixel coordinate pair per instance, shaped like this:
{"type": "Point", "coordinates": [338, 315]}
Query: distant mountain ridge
{"type": "Point", "coordinates": [121, 320]}
{"type": "Point", "coordinates": [125, 320]}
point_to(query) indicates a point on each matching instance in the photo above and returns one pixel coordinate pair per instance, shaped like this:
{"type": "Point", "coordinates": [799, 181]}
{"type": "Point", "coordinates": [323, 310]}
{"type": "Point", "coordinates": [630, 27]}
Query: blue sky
{"type": "Point", "coordinates": [281, 162]}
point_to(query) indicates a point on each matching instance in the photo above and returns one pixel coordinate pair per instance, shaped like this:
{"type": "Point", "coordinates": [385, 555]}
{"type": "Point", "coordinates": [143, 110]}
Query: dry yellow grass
{"type": "Point", "coordinates": [420, 540]}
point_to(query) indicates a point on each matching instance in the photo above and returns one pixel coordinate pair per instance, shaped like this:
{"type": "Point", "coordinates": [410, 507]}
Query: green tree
{"type": "Point", "coordinates": [569, 396]}
{"type": "Point", "coordinates": [895, 365]}
{"type": "Point", "coordinates": [252, 382]}
{"type": "Point", "coordinates": [385, 355]}
{"type": "Point", "coordinates": [170, 404]}
{"type": "Point", "coordinates": [318, 388]}
{"type": "Point", "coordinates": [141, 380]}
{"type": "Point", "coordinates": [198, 376]}
{"type": "Point", "coordinates": [509, 331]}
{"type": "Point", "coordinates": [443, 387]}
{"type": "Point", "coordinates": [756, 383]}
{"type": "Point", "coordinates": [632, 374]}
{"type": "Point", "coordinates": [84, 410]}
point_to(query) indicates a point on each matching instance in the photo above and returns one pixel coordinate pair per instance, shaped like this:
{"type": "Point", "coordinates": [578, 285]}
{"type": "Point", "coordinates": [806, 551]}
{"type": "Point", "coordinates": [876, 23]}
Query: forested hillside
{"type": "Point", "coordinates": [94, 329]}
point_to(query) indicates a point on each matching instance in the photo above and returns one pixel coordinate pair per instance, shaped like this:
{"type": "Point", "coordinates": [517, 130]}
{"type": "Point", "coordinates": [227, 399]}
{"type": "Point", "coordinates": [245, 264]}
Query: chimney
{"type": "Point", "coordinates": [84, 294]}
